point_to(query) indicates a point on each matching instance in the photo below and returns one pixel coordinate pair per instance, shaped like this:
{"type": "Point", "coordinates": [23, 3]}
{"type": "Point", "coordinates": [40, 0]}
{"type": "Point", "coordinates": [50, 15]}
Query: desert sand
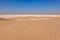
{"type": "Point", "coordinates": [30, 28]}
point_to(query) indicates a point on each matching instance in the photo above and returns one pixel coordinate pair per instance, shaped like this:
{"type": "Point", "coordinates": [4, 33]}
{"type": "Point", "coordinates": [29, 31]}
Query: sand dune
{"type": "Point", "coordinates": [2, 18]}
{"type": "Point", "coordinates": [30, 30]}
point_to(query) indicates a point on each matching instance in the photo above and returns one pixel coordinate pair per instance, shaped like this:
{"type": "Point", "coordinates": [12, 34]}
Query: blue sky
{"type": "Point", "coordinates": [29, 6]}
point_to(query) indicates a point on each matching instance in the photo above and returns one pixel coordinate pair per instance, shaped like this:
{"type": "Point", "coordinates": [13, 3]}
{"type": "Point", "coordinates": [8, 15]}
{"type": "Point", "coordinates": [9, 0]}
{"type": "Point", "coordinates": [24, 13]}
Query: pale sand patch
{"type": "Point", "coordinates": [30, 30]}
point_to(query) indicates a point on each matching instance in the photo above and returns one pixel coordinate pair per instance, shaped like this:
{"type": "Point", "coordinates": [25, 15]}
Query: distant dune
{"type": "Point", "coordinates": [30, 28]}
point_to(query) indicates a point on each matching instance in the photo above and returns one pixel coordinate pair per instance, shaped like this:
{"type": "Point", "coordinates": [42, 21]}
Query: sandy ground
{"type": "Point", "coordinates": [12, 29]}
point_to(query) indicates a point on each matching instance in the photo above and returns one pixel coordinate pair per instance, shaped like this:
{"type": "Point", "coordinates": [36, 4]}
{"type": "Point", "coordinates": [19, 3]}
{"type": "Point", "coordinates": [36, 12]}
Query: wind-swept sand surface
{"type": "Point", "coordinates": [30, 28]}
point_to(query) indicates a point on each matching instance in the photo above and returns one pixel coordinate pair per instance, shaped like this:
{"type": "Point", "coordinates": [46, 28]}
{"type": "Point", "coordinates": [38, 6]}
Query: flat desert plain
{"type": "Point", "coordinates": [30, 28]}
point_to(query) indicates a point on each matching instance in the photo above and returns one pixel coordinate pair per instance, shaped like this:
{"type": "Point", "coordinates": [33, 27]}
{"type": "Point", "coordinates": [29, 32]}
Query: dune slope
{"type": "Point", "coordinates": [30, 30]}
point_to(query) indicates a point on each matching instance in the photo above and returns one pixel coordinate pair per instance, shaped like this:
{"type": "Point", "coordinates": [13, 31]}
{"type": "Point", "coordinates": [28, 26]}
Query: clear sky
{"type": "Point", "coordinates": [29, 6]}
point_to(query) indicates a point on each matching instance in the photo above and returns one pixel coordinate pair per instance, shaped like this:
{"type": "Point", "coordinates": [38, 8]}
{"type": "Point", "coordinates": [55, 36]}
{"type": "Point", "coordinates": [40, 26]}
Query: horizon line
{"type": "Point", "coordinates": [10, 16]}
